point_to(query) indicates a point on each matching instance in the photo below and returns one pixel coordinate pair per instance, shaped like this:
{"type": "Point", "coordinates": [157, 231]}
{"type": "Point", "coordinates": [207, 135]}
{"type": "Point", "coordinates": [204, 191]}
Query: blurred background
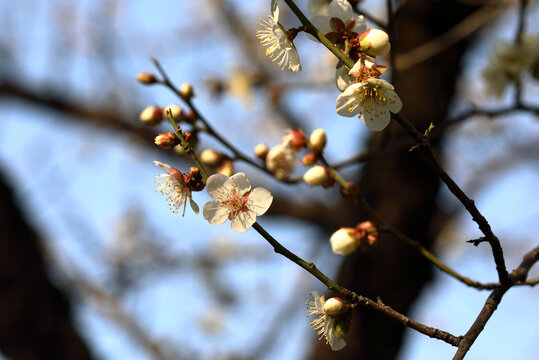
{"type": "Point", "coordinates": [93, 264]}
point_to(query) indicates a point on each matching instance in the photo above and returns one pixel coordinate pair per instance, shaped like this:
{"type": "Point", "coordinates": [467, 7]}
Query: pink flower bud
{"type": "Point", "coordinates": [227, 168]}
{"type": "Point", "coordinates": [146, 78]}
{"type": "Point", "coordinates": [318, 140]}
{"type": "Point", "coordinates": [151, 115]}
{"type": "Point", "coordinates": [309, 159]}
{"type": "Point", "coordinates": [374, 42]}
{"type": "Point", "coordinates": [334, 307]}
{"type": "Point", "coordinates": [186, 91]}
{"type": "Point", "coordinates": [167, 141]}
{"type": "Point", "coordinates": [261, 151]}
{"type": "Point", "coordinates": [368, 235]}
{"type": "Point", "coordinates": [297, 139]}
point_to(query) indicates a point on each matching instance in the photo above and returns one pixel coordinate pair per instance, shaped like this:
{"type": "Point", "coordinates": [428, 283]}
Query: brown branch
{"type": "Point", "coordinates": [519, 274]}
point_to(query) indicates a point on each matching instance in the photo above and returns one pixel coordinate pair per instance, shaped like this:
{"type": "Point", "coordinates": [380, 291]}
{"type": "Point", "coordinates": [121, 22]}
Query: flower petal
{"type": "Point", "coordinates": [240, 183]}
{"type": "Point", "coordinates": [169, 169]}
{"type": "Point", "coordinates": [394, 103]}
{"type": "Point", "coordinates": [341, 9]}
{"type": "Point", "coordinates": [194, 205]}
{"type": "Point", "coordinates": [345, 100]}
{"type": "Point", "coordinates": [215, 213]}
{"type": "Point", "coordinates": [243, 221]}
{"type": "Point", "coordinates": [215, 182]}
{"type": "Point", "coordinates": [259, 200]}
{"type": "Point", "coordinates": [342, 78]}
{"type": "Point", "coordinates": [376, 119]}
{"type": "Point", "coordinates": [360, 24]}
{"type": "Point", "coordinates": [274, 10]}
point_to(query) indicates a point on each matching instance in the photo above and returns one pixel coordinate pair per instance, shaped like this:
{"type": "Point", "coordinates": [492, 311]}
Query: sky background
{"type": "Point", "coordinates": [78, 185]}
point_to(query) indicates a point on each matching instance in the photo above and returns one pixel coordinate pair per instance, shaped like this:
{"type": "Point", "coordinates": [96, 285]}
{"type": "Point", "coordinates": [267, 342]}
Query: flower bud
{"type": "Point", "coordinates": [334, 306]}
{"type": "Point", "coordinates": [186, 91]}
{"type": "Point", "coordinates": [309, 159]}
{"type": "Point", "coordinates": [167, 141]}
{"type": "Point", "coordinates": [151, 115]}
{"type": "Point", "coordinates": [318, 140]}
{"type": "Point", "coordinates": [212, 158]}
{"type": "Point", "coordinates": [368, 235]}
{"type": "Point", "coordinates": [146, 78]}
{"type": "Point", "coordinates": [227, 168]}
{"type": "Point", "coordinates": [176, 112]}
{"type": "Point", "coordinates": [374, 42]}
{"type": "Point", "coordinates": [344, 241]}
{"type": "Point", "coordinates": [317, 176]}
{"type": "Point", "coordinates": [295, 139]}
{"type": "Point", "coordinates": [261, 151]}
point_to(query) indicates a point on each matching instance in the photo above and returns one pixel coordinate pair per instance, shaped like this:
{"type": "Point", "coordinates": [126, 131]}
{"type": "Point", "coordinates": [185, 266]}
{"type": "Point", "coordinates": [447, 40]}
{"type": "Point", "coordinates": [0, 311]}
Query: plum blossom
{"type": "Point", "coordinates": [173, 184]}
{"type": "Point", "coordinates": [324, 324]}
{"type": "Point", "coordinates": [235, 200]}
{"type": "Point", "coordinates": [280, 49]}
{"type": "Point", "coordinates": [372, 99]}
{"type": "Point", "coordinates": [342, 22]}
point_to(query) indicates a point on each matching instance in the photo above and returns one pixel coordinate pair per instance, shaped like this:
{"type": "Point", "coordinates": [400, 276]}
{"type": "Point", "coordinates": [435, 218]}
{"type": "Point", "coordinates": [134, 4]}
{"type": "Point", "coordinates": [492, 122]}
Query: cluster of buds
{"type": "Point", "coordinates": [317, 143]}
{"type": "Point", "coordinates": [281, 159]}
{"type": "Point", "coordinates": [346, 240]}
{"type": "Point", "coordinates": [217, 160]}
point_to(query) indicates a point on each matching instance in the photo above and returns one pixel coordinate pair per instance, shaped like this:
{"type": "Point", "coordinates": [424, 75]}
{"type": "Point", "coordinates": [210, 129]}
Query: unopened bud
{"type": "Point", "coordinates": [334, 307]}
{"type": "Point", "coordinates": [186, 91]}
{"type": "Point", "coordinates": [317, 176]}
{"type": "Point", "coordinates": [176, 111]}
{"type": "Point", "coordinates": [309, 159]}
{"type": "Point", "coordinates": [368, 235]}
{"type": "Point", "coordinates": [151, 115]}
{"type": "Point", "coordinates": [196, 182]}
{"type": "Point", "coordinates": [261, 151]}
{"type": "Point", "coordinates": [344, 241]}
{"type": "Point", "coordinates": [297, 139]}
{"type": "Point", "coordinates": [374, 42]}
{"type": "Point", "coordinates": [227, 168]}
{"type": "Point", "coordinates": [212, 158]}
{"type": "Point", "coordinates": [167, 141]}
{"type": "Point", "coordinates": [318, 140]}
{"type": "Point", "coordinates": [146, 78]}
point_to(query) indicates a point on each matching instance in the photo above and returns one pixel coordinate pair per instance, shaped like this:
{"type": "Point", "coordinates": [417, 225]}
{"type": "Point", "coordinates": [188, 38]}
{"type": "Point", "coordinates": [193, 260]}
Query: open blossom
{"type": "Point", "coordinates": [280, 48]}
{"type": "Point", "coordinates": [372, 99]}
{"type": "Point", "coordinates": [173, 184]}
{"type": "Point", "coordinates": [342, 22]}
{"type": "Point", "coordinates": [235, 200]}
{"type": "Point", "coordinates": [324, 324]}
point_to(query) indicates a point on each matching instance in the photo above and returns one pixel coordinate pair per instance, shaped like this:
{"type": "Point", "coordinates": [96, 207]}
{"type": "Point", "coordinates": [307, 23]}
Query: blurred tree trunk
{"type": "Point", "coordinates": [35, 317]}
{"type": "Point", "coordinates": [401, 187]}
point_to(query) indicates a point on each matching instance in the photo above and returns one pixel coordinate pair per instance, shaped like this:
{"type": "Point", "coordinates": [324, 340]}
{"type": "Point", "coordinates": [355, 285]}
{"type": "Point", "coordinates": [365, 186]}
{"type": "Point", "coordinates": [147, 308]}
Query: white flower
{"type": "Point", "coordinates": [173, 185]}
{"type": "Point", "coordinates": [280, 48]}
{"type": "Point", "coordinates": [373, 99]}
{"type": "Point", "coordinates": [235, 200]}
{"type": "Point", "coordinates": [323, 324]}
{"type": "Point", "coordinates": [339, 9]}
{"type": "Point", "coordinates": [377, 42]}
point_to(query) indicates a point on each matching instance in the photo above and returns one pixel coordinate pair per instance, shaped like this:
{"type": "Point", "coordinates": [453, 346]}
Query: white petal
{"type": "Point", "coordinates": [243, 221]}
{"type": "Point", "coordinates": [274, 10]}
{"type": "Point", "coordinates": [394, 103]}
{"type": "Point", "coordinates": [377, 119]}
{"type": "Point", "coordinates": [294, 63]}
{"type": "Point", "coordinates": [169, 169]}
{"type": "Point", "coordinates": [240, 182]}
{"type": "Point", "coordinates": [342, 105]}
{"type": "Point", "coordinates": [215, 213]}
{"type": "Point", "coordinates": [341, 9]}
{"type": "Point", "coordinates": [215, 182]}
{"type": "Point", "coordinates": [342, 78]}
{"type": "Point", "coordinates": [336, 343]}
{"type": "Point", "coordinates": [259, 200]}
{"type": "Point", "coordinates": [194, 205]}
{"type": "Point", "coordinates": [360, 24]}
